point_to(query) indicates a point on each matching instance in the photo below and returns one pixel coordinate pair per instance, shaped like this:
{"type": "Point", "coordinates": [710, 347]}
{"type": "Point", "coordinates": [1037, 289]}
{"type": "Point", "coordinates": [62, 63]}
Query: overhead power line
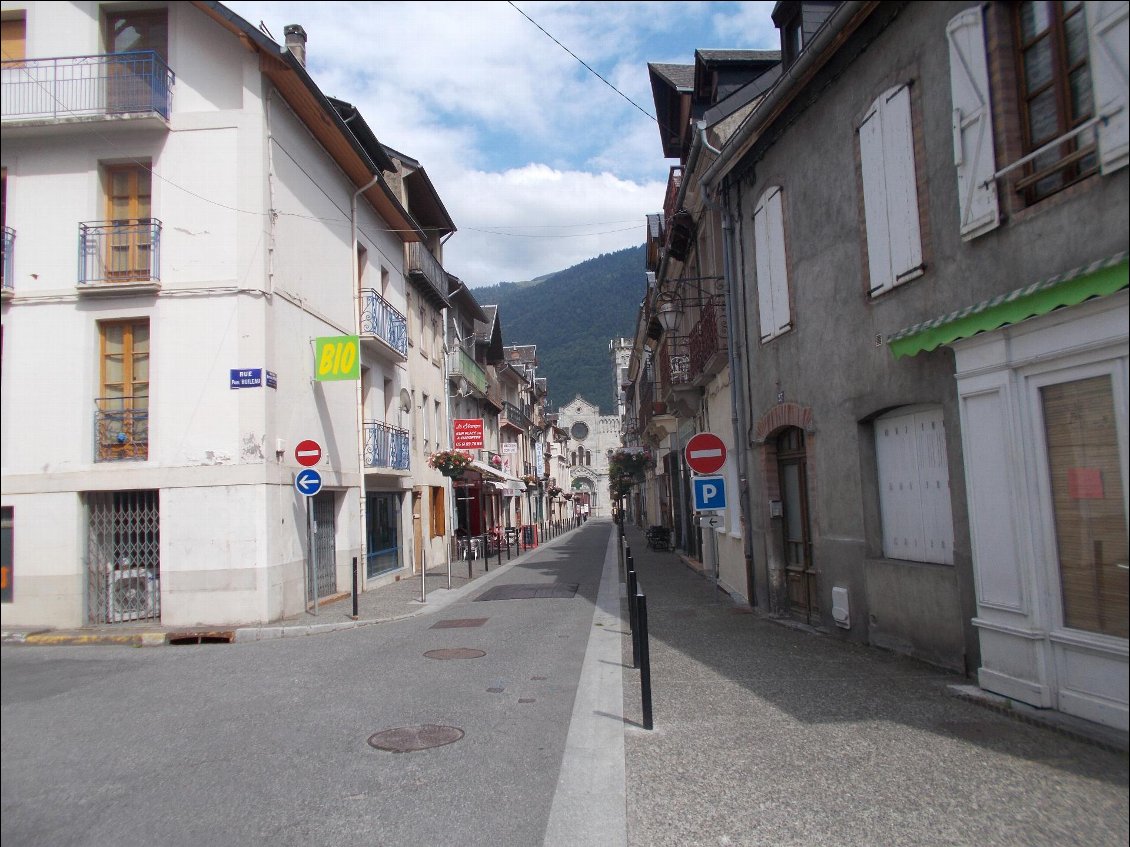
{"type": "Point", "coordinates": [585, 64]}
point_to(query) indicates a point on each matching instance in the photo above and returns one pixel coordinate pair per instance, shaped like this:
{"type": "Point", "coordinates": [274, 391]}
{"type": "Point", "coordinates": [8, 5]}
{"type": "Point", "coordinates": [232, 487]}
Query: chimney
{"type": "Point", "coordinates": [296, 41]}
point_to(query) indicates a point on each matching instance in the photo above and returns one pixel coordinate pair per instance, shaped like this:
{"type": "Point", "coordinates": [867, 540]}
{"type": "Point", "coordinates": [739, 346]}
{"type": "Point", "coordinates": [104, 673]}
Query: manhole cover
{"type": "Point", "coordinates": [531, 591]}
{"type": "Point", "coordinates": [405, 739]}
{"type": "Point", "coordinates": [452, 623]}
{"type": "Point", "coordinates": [455, 653]}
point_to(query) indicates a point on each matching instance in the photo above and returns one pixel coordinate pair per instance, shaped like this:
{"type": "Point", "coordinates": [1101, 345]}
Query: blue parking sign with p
{"type": "Point", "coordinates": [709, 493]}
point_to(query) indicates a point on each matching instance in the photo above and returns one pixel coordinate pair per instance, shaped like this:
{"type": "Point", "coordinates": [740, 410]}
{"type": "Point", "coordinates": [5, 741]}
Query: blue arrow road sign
{"type": "Point", "coordinates": [308, 482]}
{"type": "Point", "coordinates": [709, 493]}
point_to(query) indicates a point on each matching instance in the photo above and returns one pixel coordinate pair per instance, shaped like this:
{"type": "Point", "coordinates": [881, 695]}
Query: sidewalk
{"type": "Point", "coordinates": [767, 733]}
{"type": "Point", "coordinates": [395, 599]}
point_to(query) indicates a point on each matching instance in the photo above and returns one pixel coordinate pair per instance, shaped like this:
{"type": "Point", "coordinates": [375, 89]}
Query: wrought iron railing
{"type": "Point", "coordinates": [674, 362]}
{"type": "Point", "coordinates": [121, 428]}
{"type": "Point", "coordinates": [108, 84]}
{"type": "Point", "coordinates": [386, 446]}
{"type": "Point", "coordinates": [460, 364]}
{"type": "Point", "coordinates": [423, 264]}
{"type": "Point", "coordinates": [119, 251]}
{"type": "Point", "coordinates": [707, 342]}
{"type": "Point", "coordinates": [380, 319]}
{"type": "Point", "coordinates": [516, 416]}
{"type": "Point", "coordinates": [9, 252]}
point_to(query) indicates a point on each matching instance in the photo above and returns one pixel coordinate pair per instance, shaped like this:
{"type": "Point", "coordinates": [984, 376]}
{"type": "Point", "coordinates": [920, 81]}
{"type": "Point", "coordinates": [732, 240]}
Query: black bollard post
{"type": "Point", "coordinates": [645, 661]}
{"type": "Point", "coordinates": [500, 551]}
{"type": "Point", "coordinates": [633, 621]}
{"type": "Point", "coordinates": [355, 615]}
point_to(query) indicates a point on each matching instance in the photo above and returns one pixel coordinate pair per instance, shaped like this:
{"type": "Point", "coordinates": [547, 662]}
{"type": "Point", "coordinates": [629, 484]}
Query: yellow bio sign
{"type": "Point", "coordinates": [338, 357]}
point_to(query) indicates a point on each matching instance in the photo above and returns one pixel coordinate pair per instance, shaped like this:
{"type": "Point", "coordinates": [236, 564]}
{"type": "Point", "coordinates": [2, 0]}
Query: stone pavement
{"type": "Point", "coordinates": [771, 733]}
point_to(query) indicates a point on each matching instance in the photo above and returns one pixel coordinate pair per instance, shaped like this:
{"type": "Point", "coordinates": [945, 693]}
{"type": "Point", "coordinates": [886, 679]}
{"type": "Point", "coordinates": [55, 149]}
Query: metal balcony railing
{"type": "Point", "coordinates": [381, 320]}
{"type": "Point", "coordinates": [421, 263]}
{"type": "Point", "coordinates": [121, 428]}
{"type": "Point", "coordinates": [386, 446]}
{"type": "Point", "coordinates": [119, 251]}
{"type": "Point", "coordinates": [707, 342]}
{"type": "Point", "coordinates": [460, 364]}
{"type": "Point", "coordinates": [9, 252]}
{"type": "Point", "coordinates": [108, 84]}
{"type": "Point", "coordinates": [516, 416]}
{"type": "Point", "coordinates": [674, 363]}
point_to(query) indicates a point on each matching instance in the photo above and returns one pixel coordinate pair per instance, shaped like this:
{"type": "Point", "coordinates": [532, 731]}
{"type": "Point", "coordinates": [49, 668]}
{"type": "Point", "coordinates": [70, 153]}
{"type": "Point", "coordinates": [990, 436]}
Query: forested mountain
{"type": "Point", "coordinates": [571, 315]}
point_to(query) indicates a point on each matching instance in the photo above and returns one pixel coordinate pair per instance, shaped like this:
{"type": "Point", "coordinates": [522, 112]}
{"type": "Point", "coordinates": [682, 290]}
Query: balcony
{"type": "Point", "coordinates": [674, 182]}
{"type": "Point", "coordinates": [460, 365]}
{"type": "Point", "coordinates": [386, 447]}
{"type": "Point", "coordinates": [424, 267]}
{"type": "Point", "coordinates": [121, 428]}
{"type": "Point", "coordinates": [708, 346]}
{"type": "Point", "coordinates": [494, 390]}
{"type": "Point", "coordinates": [119, 257]}
{"type": "Point", "coordinates": [78, 89]}
{"type": "Point", "coordinates": [515, 418]}
{"type": "Point", "coordinates": [383, 328]}
{"type": "Point", "coordinates": [8, 287]}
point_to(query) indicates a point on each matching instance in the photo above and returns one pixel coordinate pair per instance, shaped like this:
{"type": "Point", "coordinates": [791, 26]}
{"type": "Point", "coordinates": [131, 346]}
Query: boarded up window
{"type": "Point", "coordinates": [914, 488]}
{"type": "Point", "coordinates": [1085, 469]}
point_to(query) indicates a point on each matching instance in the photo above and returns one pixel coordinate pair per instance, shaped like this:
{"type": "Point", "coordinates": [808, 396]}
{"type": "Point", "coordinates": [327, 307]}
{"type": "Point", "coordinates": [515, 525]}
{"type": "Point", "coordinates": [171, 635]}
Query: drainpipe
{"type": "Point", "coordinates": [737, 404]}
{"type": "Point", "coordinates": [356, 282]}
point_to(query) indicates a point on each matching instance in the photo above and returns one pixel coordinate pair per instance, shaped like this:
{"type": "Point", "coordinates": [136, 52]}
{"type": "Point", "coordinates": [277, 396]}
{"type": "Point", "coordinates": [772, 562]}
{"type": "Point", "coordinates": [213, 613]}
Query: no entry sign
{"type": "Point", "coordinates": [308, 453]}
{"type": "Point", "coordinates": [705, 453]}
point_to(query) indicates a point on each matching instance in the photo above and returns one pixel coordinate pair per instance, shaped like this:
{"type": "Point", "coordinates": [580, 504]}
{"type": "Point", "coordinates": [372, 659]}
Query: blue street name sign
{"type": "Point", "coordinates": [308, 482]}
{"type": "Point", "coordinates": [709, 493]}
{"type": "Point", "coordinates": [247, 378]}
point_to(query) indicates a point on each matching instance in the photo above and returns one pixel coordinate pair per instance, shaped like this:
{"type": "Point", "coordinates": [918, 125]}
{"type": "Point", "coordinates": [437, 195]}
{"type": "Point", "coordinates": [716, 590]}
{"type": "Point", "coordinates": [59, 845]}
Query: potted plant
{"type": "Point", "coordinates": [530, 480]}
{"type": "Point", "coordinates": [495, 461]}
{"type": "Point", "coordinates": [450, 463]}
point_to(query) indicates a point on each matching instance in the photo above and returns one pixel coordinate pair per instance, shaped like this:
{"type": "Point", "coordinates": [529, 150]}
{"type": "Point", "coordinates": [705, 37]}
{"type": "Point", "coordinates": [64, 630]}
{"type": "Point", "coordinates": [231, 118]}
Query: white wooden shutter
{"type": "Point", "coordinates": [890, 191]}
{"type": "Point", "coordinates": [772, 276]}
{"type": "Point", "coordinates": [972, 125]}
{"type": "Point", "coordinates": [1110, 46]}
{"type": "Point", "coordinates": [914, 492]}
{"type": "Point", "coordinates": [875, 201]}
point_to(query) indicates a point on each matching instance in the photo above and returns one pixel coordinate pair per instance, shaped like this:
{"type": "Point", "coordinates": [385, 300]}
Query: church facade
{"type": "Point", "coordinates": [591, 436]}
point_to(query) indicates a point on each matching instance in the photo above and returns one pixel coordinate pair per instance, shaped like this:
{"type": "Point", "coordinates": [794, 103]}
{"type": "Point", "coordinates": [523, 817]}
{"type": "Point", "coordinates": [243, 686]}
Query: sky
{"type": "Point", "coordinates": [540, 163]}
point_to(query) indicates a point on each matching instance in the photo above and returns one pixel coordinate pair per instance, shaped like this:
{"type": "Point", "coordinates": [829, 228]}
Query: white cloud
{"type": "Point", "coordinates": [515, 133]}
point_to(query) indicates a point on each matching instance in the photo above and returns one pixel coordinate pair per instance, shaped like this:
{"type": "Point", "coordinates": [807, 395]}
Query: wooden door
{"type": "Point", "coordinates": [800, 571]}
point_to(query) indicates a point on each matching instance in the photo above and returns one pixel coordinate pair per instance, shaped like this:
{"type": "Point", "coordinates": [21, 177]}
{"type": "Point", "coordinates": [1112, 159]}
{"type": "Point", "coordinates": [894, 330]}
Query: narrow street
{"type": "Point", "coordinates": [764, 733]}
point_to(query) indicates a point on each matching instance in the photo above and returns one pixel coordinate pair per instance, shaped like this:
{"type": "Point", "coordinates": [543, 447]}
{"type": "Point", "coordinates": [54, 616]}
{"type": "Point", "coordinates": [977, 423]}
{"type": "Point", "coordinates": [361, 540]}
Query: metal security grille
{"type": "Point", "coordinates": [324, 553]}
{"type": "Point", "coordinates": [123, 556]}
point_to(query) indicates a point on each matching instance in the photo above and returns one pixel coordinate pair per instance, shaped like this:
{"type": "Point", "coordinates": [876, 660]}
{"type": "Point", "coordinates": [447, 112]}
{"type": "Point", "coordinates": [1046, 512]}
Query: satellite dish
{"type": "Point", "coordinates": [405, 400]}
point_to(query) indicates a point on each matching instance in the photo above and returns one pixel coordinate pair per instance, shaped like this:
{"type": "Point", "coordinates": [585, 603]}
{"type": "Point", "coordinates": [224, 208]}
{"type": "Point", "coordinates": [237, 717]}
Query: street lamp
{"type": "Point", "coordinates": [668, 314]}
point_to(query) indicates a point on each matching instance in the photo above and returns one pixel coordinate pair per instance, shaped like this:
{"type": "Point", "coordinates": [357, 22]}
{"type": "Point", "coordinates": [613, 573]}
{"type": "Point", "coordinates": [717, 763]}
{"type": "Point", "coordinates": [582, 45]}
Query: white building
{"type": "Point", "coordinates": [591, 437]}
{"type": "Point", "coordinates": [226, 213]}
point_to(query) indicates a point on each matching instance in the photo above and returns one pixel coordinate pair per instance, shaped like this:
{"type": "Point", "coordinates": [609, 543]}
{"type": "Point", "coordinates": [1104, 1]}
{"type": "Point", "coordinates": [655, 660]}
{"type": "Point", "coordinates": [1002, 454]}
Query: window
{"type": "Point", "coordinates": [133, 31]}
{"type": "Point", "coordinates": [890, 192]}
{"type": "Point", "coordinates": [134, 79]}
{"type": "Point", "coordinates": [425, 426]}
{"type": "Point", "coordinates": [438, 420]}
{"type": "Point", "coordinates": [127, 247]}
{"type": "Point", "coordinates": [439, 514]}
{"type": "Point", "coordinates": [425, 349]}
{"type": "Point", "coordinates": [914, 490]}
{"type": "Point", "coordinates": [123, 401]}
{"type": "Point", "coordinates": [362, 265]}
{"type": "Point", "coordinates": [772, 277]}
{"type": "Point", "coordinates": [1085, 471]}
{"type": "Point", "coordinates": [13, 34]}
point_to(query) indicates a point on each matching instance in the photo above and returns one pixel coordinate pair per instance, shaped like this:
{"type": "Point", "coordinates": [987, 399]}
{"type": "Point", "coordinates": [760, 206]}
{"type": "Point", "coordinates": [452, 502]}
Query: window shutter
{"type": "Point", "coordinates": [972, 125]}
{"type": "Point", "coordinates": [890, 191]}
{"type": "Point", "coordinates": [875, 201]}
{"type": "Point", "coordinates": [1110, 46]}
{"type": "Point", "coordinates": [772, 279]}
{"type": "Point", "coordinates": [934, 486]}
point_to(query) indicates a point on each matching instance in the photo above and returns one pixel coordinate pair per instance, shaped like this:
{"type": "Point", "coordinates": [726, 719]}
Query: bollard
{"type": "Point", "coordinates": [633, 622]}
{"type": "Point", "coordinates": [645, 661]}
{"type": "Point", "coordinates": [355, 614]}
{"type": "Point", "coordinates": [500, 552]}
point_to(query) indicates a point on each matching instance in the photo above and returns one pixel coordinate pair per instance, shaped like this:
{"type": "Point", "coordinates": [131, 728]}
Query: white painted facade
{"type": "Point", "coordinates": [255, 262]}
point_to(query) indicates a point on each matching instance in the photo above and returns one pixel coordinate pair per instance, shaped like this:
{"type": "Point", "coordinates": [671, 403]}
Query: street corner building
{"type": "Point", "coordinates": [906, 231]}
{"type": "Point", "coordinates": [206, 263]}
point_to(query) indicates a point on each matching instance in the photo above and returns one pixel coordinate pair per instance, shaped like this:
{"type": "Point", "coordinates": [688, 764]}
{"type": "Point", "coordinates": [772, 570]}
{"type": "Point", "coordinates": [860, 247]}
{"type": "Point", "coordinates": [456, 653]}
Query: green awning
{"type": "Point", "coordinates": [1068, 289]}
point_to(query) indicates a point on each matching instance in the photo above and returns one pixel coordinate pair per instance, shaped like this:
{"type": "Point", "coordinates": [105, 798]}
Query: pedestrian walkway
{"type": "Point", "coordinates": [394, 599]}
{"type": "Point", "coordinates": [771, 734]}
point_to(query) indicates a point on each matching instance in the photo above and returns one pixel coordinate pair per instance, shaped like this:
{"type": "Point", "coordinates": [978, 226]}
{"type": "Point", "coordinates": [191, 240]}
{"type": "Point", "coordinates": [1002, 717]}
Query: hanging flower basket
{"type": "Point", "coordinates": [530, 480]}
{"type": "Point", "coordinates": [554, 492]}
{"type": "Point", "coordinates": [496, 461]}
{"type": "Point", "coordinates": [450, 463]}
{"type": "Point", "coordinates": [629, 465]}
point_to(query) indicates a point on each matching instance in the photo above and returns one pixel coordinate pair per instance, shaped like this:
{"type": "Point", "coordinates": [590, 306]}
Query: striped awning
{"type": "Point", "coordinates": [1097, 279]}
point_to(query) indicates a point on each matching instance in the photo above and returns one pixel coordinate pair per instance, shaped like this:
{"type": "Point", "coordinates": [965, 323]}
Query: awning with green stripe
{"type": "Point", "coordinates": [1068, 289]}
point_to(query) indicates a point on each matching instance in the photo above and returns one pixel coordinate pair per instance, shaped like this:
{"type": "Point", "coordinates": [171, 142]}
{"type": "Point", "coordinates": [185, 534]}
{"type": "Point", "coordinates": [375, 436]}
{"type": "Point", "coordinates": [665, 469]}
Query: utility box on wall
{"type": "Point", "coordinates": [841, 607]}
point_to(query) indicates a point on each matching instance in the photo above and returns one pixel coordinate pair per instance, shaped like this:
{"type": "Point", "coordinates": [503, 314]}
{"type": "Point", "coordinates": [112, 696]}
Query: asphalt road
{"type": "Point", "coordinates": [268, 742]}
